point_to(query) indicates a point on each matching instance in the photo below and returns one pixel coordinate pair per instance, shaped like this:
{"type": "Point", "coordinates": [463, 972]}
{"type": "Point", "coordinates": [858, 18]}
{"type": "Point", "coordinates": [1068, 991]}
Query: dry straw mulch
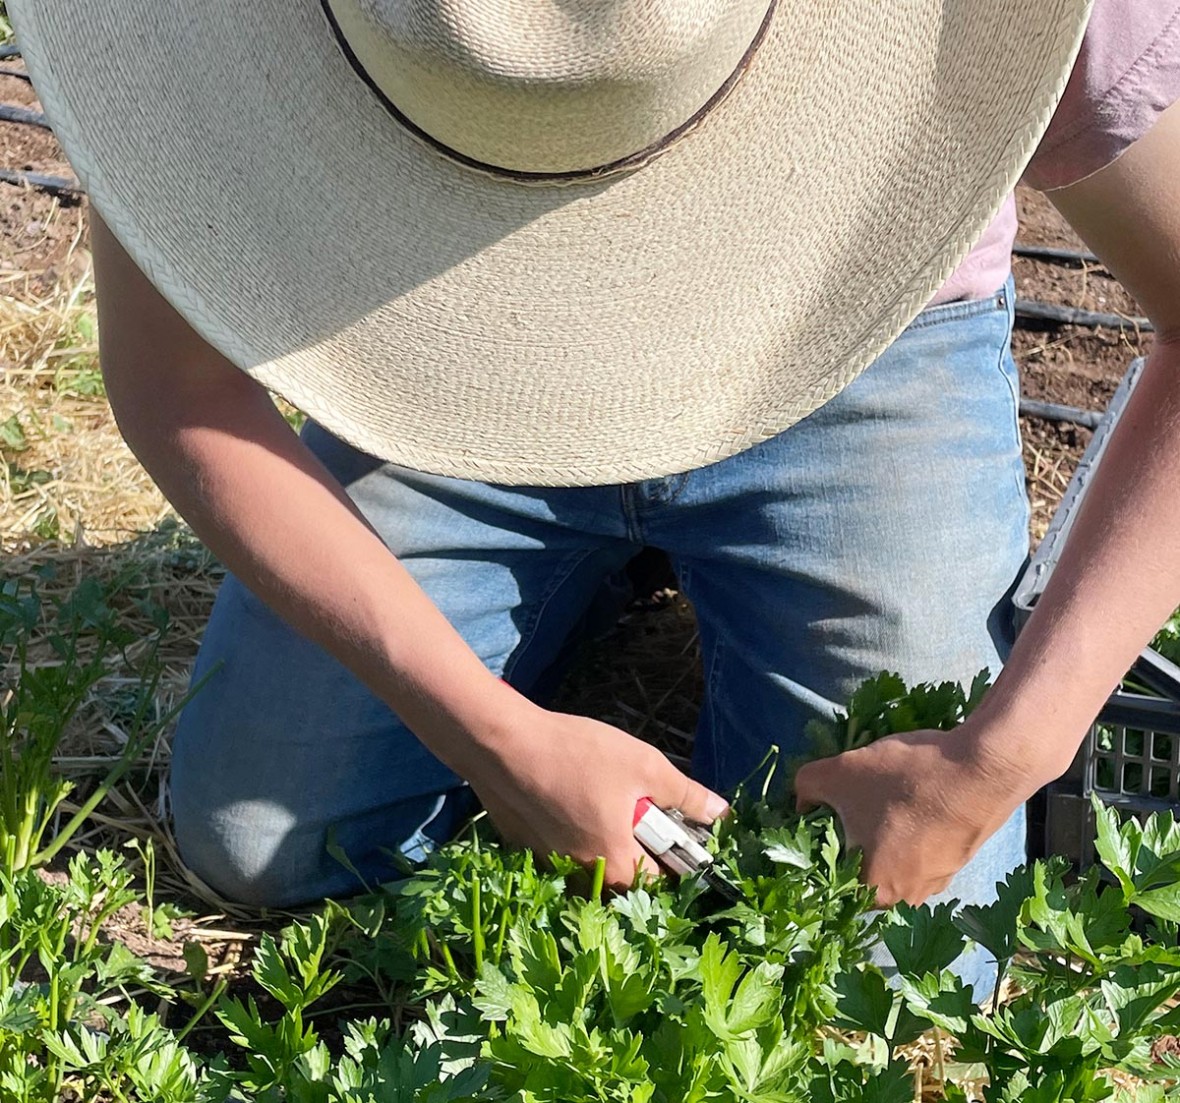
{"type": "Point", "coordinates": [67, 476]}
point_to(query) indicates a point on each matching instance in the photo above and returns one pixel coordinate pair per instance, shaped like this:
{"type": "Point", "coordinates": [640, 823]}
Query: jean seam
{"type": "Point", "coordinates": [564, 572]}
{"type": "Point", "coordinates": [629, 508]}
{"type": "Point", "coordinates": [720, 750]}
{"type": "Point", "coordinates": [712, 683]}
{"type": "Point", "coordinates": [1013, 392]}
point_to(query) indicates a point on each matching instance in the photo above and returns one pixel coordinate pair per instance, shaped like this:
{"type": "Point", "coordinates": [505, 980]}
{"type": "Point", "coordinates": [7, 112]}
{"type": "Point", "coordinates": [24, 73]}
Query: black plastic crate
{"type": "Point", "coordinates": [1130, 758]}
{"type": "Point", "coordinates": [1131, 755]}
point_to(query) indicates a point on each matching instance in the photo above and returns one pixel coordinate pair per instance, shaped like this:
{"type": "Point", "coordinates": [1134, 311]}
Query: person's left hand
{"type": "Point", "coordinates": [919, 805]}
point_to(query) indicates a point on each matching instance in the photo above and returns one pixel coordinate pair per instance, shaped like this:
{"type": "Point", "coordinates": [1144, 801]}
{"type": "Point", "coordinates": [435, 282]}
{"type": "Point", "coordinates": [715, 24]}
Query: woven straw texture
{"type": "Point", "coordinates": [637, 326]}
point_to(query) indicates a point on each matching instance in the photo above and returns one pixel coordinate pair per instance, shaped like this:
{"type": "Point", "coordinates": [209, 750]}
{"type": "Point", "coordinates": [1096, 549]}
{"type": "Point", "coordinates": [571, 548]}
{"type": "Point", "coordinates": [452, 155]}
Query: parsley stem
{"type": "Point", "coordinates": [599, 878]}
{"type": "Point", "coordinates": [1001, 971]}
{"type": "Point", "coordinates": [505, 915]}
{"type": "Point", "coordinates": [452, 971]}
{"type": "Point", "coordinates": [477, 941]}
{"type": "Point", "coordinates": [221, 985]}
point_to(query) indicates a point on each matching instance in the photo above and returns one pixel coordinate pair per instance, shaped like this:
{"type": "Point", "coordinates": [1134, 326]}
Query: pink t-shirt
{"type": "Point", "coordinates": [1127, 73]}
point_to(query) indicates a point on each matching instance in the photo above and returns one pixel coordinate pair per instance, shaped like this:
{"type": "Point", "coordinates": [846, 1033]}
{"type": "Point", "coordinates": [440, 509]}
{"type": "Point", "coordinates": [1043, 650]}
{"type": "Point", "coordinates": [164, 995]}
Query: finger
{"type": "Point", "coordinates": [674, 789]}
{"type": "Point", "coordinates": [892, 889]}
{"type": "Point", "coordinates": [886, 892]}
{"type": "Point", "coordinates": [885, 898]}
{"type": "Point", "coordinates": [919, 895]}
{"type": "Point", "coordinates": [811, 788]}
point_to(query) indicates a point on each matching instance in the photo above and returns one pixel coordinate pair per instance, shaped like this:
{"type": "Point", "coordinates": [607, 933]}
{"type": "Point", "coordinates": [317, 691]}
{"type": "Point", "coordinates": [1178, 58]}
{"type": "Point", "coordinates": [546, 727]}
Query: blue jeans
{"type": "Point", "coordinates": [882, 532]}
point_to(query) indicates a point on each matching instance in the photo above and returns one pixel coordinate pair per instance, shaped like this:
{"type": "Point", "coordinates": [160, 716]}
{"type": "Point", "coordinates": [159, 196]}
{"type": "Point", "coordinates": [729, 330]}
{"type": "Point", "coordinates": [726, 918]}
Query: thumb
{"type": "Point", "coordinates": [677, 790]}
{"type": "Point", "coordinates": [811, 786]}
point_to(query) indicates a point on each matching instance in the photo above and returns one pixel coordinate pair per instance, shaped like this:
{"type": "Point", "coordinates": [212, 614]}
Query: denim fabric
{"type": "Point", "coordinates": [882, 532]}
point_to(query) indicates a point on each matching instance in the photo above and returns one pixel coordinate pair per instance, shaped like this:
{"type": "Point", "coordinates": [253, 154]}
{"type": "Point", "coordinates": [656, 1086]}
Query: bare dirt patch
{"type": "Point", "coordinates": [40, 234]}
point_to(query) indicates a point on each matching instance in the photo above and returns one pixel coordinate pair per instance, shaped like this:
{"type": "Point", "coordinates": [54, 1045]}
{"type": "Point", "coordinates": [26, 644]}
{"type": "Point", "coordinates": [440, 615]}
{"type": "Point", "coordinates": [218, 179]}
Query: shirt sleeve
{"type": "Point", "coordinates": [1126, 75]}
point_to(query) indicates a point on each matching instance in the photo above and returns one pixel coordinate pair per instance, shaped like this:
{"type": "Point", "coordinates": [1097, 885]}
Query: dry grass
{"type": "Point", "coordinates": [1048, 466]}
{"type": "Point", "coordinates": [66, 474]}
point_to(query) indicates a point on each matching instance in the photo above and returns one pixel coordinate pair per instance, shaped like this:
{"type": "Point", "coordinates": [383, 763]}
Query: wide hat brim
{"type": "Point", "coordinates": [456, 323]}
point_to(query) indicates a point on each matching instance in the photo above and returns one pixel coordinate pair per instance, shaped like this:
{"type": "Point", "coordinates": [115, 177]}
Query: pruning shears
{"type": "Point", "coordinates": [677, 843]}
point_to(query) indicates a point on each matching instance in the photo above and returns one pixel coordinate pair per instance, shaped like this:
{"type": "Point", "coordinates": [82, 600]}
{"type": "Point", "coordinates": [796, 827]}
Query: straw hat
{"type": "Point", "coordinates": [550, 241]}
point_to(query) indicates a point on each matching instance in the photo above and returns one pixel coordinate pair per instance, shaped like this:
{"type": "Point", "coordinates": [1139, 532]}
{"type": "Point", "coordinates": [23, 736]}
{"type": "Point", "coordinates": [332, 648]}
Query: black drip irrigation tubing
{"type": "Point", "coordinates": [1031, 310]}
{"type": "Point", "coordinates": [10, 113]}
{"type": "Point", "coordinates": [1050, 411]}
{"type": "Point", "coordinates": [20, 74]}
{"type": "Point", "coordinates": [1062, 256]}
{"type": "Point", "coordinates": [56, 185]}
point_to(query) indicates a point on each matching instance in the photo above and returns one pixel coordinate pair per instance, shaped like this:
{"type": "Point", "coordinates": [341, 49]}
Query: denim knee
{"type": "Point", "coordinates": [259, 853]}
{"type": "Point", "coordinates": [234, 853]}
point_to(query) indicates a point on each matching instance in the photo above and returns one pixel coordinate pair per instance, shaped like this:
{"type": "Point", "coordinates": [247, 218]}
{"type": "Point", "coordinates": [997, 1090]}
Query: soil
{"type": "Point", "coordinates": [1072, 365]}
{"type": "Point", "coordinates": [1069, 365]}
{"type": "Point", "coordinates": [129, 926]}
{"type": "Point", "coordinates": [38, 231]}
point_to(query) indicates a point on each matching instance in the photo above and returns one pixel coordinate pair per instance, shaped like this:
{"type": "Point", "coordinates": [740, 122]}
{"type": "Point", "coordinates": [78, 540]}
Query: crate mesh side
{"type": "Point", "coordinates": [1130, 759]}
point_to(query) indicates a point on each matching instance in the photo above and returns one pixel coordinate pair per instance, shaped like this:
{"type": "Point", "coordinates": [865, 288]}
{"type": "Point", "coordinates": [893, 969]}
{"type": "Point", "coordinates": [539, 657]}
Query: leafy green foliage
{"type": "Point", "coordinates": [1167, 640]}
{"type": "Point", "coordinates": [38, 701]}
{"type": "Point", "coordinates": [57, 981]}
{"type": "Point", "coordinates": [1145, 859]}
{"type": "Point", "coordinates": [525, 992]}
{"type": "Point", "coordinates": [885, 706]}
{"type": "Point", "coordinates": [12, 434]}
{"type": "Point", "coordinates": [284, 1056]}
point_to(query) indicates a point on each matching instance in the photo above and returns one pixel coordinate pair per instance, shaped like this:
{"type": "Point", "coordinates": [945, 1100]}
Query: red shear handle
{"type": "Point", "coordinates": [641, 807]}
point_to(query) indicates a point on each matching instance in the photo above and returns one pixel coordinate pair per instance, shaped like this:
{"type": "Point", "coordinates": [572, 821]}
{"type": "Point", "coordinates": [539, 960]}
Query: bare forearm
{"type": "Point", "coordinates": [260, 500]}
{"type": "Point", "coordinates": [1119, 576]}
{"type": "Point", "coordinates": [1117, 581]}
{"type": "Point", "coordinates": [223, 455]}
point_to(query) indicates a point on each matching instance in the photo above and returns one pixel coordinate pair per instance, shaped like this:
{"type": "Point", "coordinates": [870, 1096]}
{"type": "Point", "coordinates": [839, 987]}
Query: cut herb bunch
{"type": "Point", "coordinates": [484, 978]}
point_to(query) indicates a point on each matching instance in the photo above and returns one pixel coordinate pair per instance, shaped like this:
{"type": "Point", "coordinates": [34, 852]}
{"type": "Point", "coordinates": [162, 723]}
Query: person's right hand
{"type": "Point", "coordinates": [569, 784]}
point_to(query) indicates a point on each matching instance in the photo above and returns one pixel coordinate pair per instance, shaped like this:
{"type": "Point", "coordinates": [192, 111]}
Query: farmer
{"type": "Point", "coordinates": [557, 281]}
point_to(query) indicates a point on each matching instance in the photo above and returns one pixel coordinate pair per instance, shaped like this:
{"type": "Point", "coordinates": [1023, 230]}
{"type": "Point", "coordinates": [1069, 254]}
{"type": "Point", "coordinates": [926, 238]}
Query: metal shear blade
{"type": "Point", "coordinates": [678, 844]}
